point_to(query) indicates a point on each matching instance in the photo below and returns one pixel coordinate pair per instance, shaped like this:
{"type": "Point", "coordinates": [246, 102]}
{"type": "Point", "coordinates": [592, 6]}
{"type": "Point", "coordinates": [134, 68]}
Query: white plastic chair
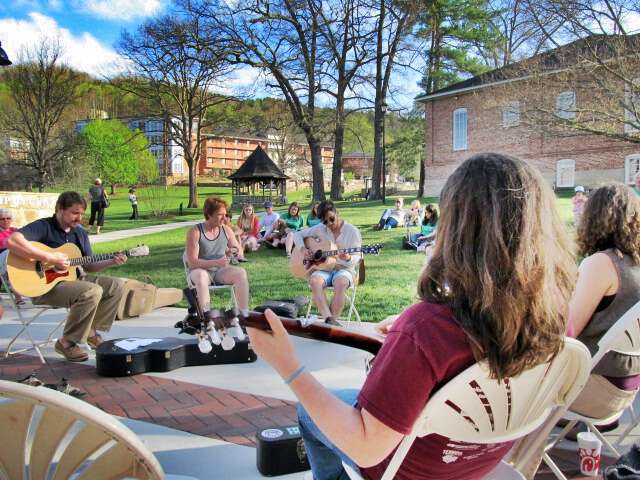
{"type": "Point", "coordinates": [28, 314]}
{"type": "Point", "coordinates": [624, 338]}
{"type": "Point", "coordinates": [350, 296]}
{"type": "Point", "coordinates": [474, 408]}
{"type": "Point", "coordinates": [54, 435]}
{"type": "Point", "coordinates": [213, 288]}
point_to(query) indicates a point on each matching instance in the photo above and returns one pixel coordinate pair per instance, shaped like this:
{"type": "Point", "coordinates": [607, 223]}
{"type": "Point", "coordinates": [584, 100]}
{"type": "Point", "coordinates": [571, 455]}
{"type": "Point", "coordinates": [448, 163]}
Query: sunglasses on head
{"type": "Point", "coordinates": [328, 220]}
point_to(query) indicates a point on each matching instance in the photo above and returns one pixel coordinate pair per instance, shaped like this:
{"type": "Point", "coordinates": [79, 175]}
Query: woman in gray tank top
{"type": "Point", "coordinates": [608, 285]}
{"type": "Point", "coordinates": [205, 254]}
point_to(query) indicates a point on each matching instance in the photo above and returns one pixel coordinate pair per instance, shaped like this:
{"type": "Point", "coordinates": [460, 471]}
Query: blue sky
{"type": "Point", "coordinates": [89, 29]}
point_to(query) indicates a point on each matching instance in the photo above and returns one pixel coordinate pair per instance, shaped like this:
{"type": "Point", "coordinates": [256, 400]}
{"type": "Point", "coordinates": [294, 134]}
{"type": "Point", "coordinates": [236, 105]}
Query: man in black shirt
{"type": "Point", "coordinates": [92, 300]}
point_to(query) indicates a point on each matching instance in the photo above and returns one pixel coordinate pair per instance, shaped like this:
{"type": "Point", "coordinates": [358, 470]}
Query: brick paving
{"type": "Point", "coordinates": [211, 412]}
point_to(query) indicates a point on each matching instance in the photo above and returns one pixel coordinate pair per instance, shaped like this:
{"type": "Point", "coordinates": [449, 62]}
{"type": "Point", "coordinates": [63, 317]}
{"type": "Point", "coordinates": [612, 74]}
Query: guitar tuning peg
{"type": "Point", "coordinates": [228, 342]}
{"type": "Point", "coordinates": [204, 345]}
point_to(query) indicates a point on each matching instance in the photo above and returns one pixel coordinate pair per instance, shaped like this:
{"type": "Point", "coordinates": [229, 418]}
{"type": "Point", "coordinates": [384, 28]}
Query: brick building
{"type": "Point", "coordinates": [358, 163]}
{"type": "Point", "coordinates": [488, 113]}
{"type": "Point", "coordinates": [223, 154]}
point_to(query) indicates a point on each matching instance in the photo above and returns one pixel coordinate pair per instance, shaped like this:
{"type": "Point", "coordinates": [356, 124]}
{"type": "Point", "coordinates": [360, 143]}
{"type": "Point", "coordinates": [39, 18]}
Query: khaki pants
{"type": "Point", "coordinates": [92, 302]}
{"type": "Point", "coordinates": [598, 399]}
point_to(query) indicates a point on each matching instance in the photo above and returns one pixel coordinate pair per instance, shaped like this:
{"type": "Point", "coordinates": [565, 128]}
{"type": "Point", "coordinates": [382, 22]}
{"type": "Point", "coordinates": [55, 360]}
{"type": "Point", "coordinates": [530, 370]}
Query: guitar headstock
{"type": "Point", "coordinates": [373, 249]}
{"type": "Point", "coordinates": [139, 251]}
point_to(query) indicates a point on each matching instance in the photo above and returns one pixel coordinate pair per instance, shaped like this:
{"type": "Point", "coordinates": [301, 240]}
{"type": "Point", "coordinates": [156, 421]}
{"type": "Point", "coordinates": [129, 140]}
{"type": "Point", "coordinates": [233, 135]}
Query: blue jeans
{"type": "Point", "coordinates": [386, 221]}
{"type": "Point", "coordinates": [324, 457]}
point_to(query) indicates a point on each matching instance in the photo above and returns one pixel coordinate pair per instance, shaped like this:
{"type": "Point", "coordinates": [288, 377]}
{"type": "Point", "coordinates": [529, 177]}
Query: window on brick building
{"type": "Point", "coordinates": [566, 105]}
{"type": "Point", "coordinates": [631, 168]}
{"type": "Point", "coordinates": [565, 173]}
{"type": "Point", "coordinates": [632, 107]}
{"type": "Point", "coordinates": [209, 161]}
{"type": "Point", "coordinates": [511, 114]}
{"type": "Point", "coordinates": [460, 129]}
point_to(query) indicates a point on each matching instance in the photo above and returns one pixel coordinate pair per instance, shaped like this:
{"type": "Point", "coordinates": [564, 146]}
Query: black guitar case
{"type": "Point", "coordinates": [165, 355]}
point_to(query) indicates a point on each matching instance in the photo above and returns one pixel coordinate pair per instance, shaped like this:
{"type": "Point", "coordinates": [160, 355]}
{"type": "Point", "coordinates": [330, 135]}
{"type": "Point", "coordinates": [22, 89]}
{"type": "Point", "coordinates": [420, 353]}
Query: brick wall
{"type": "Point", "coordinates": [597, 159]}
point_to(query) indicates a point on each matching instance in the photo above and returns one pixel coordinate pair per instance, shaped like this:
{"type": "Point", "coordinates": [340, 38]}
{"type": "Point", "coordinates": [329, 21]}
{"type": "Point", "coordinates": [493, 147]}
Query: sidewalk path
{"type": "Point", "coordinates": [134, 232]}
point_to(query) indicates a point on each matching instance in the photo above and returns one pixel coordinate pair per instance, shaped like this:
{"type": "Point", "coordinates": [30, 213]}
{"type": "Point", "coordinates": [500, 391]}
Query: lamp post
{"type": "Point", "coordinates": [383, 109]}
{"type": "Point", "coordinates": [4, 58]}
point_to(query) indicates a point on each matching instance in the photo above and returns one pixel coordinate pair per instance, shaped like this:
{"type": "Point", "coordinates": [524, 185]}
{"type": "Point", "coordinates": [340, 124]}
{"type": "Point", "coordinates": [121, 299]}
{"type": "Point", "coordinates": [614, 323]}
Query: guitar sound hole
{"type": "Point", "coordinates": [39, 269]}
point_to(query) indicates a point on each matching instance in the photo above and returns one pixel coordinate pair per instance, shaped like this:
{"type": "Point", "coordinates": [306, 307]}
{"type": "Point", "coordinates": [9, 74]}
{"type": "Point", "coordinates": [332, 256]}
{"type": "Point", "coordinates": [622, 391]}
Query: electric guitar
{"type": "Point", "coordinates": [323, 258]}
{"type": "Point", "coordinates": [32, 278]}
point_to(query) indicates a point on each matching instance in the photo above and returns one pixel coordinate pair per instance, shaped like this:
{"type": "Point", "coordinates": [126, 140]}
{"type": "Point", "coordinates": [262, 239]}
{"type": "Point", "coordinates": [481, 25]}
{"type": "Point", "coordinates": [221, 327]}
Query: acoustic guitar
{"type": "Point", "coordinates": [32, 278]}
{"type": "Point", "coordinates": [324, 255]}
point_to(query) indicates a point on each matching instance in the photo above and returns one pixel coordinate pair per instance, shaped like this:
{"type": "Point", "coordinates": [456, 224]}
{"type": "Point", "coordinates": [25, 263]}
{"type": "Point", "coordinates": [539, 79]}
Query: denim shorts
{"type": "Point", "coordinates": [329, 277]}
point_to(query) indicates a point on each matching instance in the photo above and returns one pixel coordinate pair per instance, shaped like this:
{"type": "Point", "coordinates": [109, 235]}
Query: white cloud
{"type": "Point", "coordinates": [83, 52]}
{"type": "Point", "coordinates": [55, 4]}
{"type": "Point", "coordinates": [121, 9]}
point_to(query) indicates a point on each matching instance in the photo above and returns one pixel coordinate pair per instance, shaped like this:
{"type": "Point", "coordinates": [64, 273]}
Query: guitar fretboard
{"type": "Point", "coordinates": [74, 262]}
{"type": "Point", "coordinates": [332, 253]}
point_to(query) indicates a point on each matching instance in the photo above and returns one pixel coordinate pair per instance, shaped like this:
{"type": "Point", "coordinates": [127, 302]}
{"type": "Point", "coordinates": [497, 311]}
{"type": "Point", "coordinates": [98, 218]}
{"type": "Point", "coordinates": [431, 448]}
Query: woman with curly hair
{"type": "Point", "coordinates": [608, 285]}
{"type": "Point", "coordinates": [496, 291]}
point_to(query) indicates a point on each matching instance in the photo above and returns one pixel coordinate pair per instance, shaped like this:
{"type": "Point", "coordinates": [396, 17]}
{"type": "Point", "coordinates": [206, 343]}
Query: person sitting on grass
{"type": "Point", "coordinates": [481, 306]}
{"type": "Point", "coordinates": [414, 215]}
{"type": "Point", "coordinates": [312, 218]}
{"type": "Point", "coordinates": [248, 228]}
{"type": "Point", "coordinates": [268, 222]}
{"type": "Point", "coordinates": [293, 222]}
{"type": "Point", "coordinates": [392, 217]}
{"type": "Point", "coordinates": [427, 228]}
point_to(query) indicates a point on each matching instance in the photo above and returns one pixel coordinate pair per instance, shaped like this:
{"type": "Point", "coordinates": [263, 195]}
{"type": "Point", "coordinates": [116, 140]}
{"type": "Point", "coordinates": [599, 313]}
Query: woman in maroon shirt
{"type": "Point", "coordinates": [495, 290]}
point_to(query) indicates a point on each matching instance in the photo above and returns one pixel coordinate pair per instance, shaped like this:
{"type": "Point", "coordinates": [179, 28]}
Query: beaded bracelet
{"type": "Point", "coordinates": [294, 375]}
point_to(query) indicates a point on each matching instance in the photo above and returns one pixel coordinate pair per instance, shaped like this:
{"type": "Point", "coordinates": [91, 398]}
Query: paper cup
{"type": "Point", "coordinates": [589, 447]}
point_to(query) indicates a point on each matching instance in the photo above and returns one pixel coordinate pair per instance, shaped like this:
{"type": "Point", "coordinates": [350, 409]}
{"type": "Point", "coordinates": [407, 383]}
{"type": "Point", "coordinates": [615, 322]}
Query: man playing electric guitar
{"type": "Point", "coordinates": [343, 235]}
{"type": "Point", "coordinates": [92, 301]}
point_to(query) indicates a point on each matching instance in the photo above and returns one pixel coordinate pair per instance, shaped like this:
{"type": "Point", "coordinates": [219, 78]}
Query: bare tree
{"type": "Point", "coordinates": [42, 89]}
{"type": "Point", "coordinates": [279, 37]}
{"type": "Point", "coordinates": [347, 32]}
{"type": "Point", "coordinates": [171, 67]}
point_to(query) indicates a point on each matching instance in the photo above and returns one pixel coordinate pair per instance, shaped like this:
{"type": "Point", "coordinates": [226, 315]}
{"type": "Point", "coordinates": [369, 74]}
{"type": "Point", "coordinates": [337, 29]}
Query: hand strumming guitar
{"type": "Point", "coordinates": [345, 257]}
{"type": "Point", "coordinates": [58, 260]}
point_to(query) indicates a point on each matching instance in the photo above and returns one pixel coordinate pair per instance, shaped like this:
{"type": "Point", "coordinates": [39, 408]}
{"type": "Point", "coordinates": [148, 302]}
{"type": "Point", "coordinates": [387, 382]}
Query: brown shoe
{"type": "Point", "coordinates": [95, 341]}
{"type": "Point", "coordinates": [73, 353]}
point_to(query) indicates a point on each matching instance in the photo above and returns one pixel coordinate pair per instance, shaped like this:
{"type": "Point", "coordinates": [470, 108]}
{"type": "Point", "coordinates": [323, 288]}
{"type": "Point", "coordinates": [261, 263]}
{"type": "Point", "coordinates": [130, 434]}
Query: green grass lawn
{"type": "Point", "coordinates": [166, 199]}
{"type": "Point", "coordinates": [391, 277]}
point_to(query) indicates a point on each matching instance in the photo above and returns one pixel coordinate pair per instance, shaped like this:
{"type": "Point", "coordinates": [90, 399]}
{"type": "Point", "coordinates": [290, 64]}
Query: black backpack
{"type": "Point", "coordinates": [290, 308]}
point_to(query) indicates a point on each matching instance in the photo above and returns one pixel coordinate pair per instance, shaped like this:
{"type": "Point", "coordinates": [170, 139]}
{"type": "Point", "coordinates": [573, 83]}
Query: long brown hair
{"type": "Point", "coordinates": [503, 261]}
{"type": "Point", "coordinates": [245, 222]}
{"type": "Point", "coordinates": [611, 219]}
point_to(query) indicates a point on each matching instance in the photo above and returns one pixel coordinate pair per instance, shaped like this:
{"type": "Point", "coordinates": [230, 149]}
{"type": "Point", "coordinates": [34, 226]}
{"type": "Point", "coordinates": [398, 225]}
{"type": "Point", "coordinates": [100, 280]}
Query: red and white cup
{"type": "Point", "coordinates": [589, 447]}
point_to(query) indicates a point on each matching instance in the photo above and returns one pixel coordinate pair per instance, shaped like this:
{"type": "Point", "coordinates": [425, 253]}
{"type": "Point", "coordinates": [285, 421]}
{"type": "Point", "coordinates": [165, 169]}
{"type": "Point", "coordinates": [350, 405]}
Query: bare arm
{"type": "Point", "coordinates": [232, 240]}
{"type": "Point", "coordinates": [362, 437]}
{"type": "Point", "coordinates": [193, 249]}
{"type": "Point", "coordinates": [20, 246]}
{"type": "Point", "coordinates": [597, 277]}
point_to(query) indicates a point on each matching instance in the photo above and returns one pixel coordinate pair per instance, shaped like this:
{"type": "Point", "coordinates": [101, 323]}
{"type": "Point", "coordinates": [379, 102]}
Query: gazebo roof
{"type": "Point", "coordinates": [258, 166]}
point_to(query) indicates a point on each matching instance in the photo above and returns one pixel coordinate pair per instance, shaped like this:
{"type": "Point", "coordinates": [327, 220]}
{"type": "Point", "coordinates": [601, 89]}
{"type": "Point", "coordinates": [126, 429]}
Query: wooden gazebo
{"type": "Point", "coordinates": [258, 179]}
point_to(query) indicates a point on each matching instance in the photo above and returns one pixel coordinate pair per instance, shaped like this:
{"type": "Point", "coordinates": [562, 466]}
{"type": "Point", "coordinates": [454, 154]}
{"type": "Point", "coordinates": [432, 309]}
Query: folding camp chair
{"type": "Point", "coordinates": [54, 435]}
{"type": "Point", "coordinates": [27, 314]}
{"type": "Point", "coordinates": [624, 338]}
{"type": "Point", "coordinates": [213, 288]}
{"type": "Point", "coordinates": [474, 408]}
{"type": "Point", "coordinates": [350, 294]}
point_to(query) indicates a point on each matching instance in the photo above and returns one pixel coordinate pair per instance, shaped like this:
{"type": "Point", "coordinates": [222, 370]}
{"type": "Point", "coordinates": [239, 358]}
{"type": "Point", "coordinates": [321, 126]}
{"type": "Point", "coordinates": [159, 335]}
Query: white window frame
{"type": "Point", "coordinates": [631, 170]}
{"type": "Point", "coordinates": [566, 105]}
{"type": "Point", "coordinates": [460, 130]}
{"type": "Point", "coordinates": [629, 98]}
{"type": "Point", "coordinates": [561, 166]}
{"type": "Point", "coordinates": [511, 114]}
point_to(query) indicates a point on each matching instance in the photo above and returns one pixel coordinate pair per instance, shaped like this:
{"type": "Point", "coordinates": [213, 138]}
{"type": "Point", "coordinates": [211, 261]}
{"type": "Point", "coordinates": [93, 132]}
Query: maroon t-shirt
{"type": "Point", "coordinates": [422, 352]}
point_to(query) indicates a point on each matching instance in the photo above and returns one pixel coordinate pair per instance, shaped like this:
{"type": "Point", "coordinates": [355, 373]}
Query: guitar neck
{"type": "Point", "coordinates": [75, 262]}
{"type": "Point", "coordinates": [333, 253]}
{"type": "Point", "coordinates": [318, 331]}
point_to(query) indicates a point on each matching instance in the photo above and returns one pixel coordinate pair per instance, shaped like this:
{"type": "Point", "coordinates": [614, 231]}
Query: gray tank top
{"type": "Point", "coordinates": [212, 249]}
{"type": "Point", "coordinates": [615, 364]}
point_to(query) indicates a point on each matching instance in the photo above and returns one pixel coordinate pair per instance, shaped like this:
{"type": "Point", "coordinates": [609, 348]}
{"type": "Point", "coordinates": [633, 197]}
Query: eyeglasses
{"type": "Point", "coordinates": [329, 220]}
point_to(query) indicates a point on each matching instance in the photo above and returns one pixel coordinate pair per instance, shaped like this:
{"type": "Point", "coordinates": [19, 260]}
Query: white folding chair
{"type": "Point", "coordinates": [474, 408]}
{"type": "Point", "coordinates": [350, 296]}
{"type": "Point", "coordinates": [54, 435]}
{"type": "Point", "coordinates": [27, 314]}
{"type": "Point", "coordinates": [212, 288]}
{"type": "Point", "coordinates": [624, 338]}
